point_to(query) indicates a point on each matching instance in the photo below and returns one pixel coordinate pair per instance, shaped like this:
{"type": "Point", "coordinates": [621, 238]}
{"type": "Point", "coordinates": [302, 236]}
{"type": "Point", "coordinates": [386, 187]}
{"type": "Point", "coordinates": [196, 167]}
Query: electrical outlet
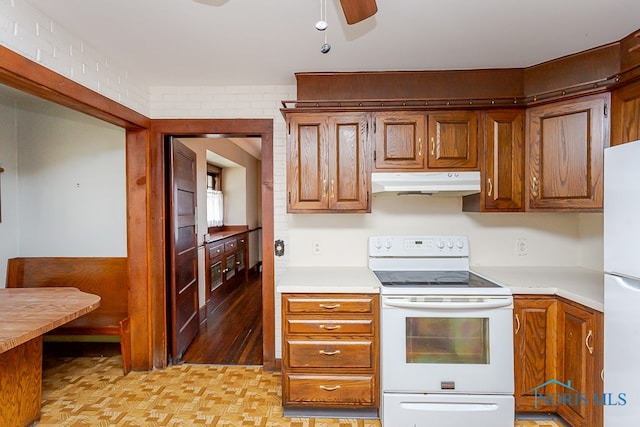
{"type": "Point", "coordinates": [522, 246]}
{"type": "Point", "coordinates": [315, 247]}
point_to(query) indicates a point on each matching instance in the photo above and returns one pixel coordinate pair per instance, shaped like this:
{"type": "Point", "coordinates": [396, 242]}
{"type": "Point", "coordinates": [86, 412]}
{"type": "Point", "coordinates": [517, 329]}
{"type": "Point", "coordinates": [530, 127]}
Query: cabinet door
{"type": "Point", "coordinates": [453, 140]}
{"type": "Point", "coordinates": [348, 162]}
{"type": "Point", "coordinates": [625, 114]}
{"type": "Point", "coordinates": [399, 141]}
{"type": "Point", "coordinates": [535, 351]}
{"type": "Point", "coordinates": [576, 363]}
{"type": "Point", "coordinates": [307, 165]}
{"type": "Point", "coordinates": [502, 188]}
{"type": "Point", "coordinates": [565, 154]}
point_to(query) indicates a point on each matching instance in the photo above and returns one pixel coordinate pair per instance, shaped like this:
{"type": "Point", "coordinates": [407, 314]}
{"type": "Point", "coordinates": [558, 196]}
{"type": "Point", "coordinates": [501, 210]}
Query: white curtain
{"type": "Point", "coordinates": [215, 208]}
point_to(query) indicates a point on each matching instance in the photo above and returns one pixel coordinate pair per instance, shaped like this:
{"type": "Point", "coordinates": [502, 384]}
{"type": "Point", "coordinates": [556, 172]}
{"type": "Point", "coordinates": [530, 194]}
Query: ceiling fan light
{"type": "Point", "coordinates": [321, 25]}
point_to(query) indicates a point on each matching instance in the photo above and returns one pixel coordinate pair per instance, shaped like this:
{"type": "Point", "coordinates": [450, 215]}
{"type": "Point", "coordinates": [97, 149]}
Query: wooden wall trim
{"type": "Point", "coordinates": [23, 74]}
{"type": "Point", "coordinates": [462, 84]}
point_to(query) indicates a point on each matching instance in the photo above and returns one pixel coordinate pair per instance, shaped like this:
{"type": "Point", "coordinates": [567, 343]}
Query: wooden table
{"type": "Point", "coordinates": [25, 315]}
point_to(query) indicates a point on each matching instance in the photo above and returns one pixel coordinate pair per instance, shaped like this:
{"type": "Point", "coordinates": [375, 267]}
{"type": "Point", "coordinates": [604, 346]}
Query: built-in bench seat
{"type": "Point", "coordinates": [106, 277]}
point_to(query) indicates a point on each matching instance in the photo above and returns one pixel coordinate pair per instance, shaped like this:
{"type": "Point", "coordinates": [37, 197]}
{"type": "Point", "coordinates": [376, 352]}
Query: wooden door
{"type": "Point", "coordinates": [399, 141]}
{"type": "Point", "coordinates": [565, 152]}
{"type": "Point", "coordinates": [535, 321]}
{"type": "Point", "coordinates": [183, 251]}
{"type": "Point", "coordinates": [349, 182]}
{"type": "Point", "coordinates": [503, 161]}
{"type": "Point", "coordinates": [576, 328]}
{"type": "Point", "coordinates": [307, 165]}
{"type": "Point", "coordinates": [453, 140]}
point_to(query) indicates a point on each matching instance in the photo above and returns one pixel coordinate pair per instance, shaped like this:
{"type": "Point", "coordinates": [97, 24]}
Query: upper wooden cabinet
{"type": "Point", "coordinates": [625, 114]}
{"type": "Point", "coordinates": [328, 164]}
{"type": "Point", "coordinates": [399, 141]}
{"type": "Point", "coordinates": [453, 140]}
{"type": "Point", "coordinates": [565, 151]}
{"type": "Point", "coordinates": [502, 188]}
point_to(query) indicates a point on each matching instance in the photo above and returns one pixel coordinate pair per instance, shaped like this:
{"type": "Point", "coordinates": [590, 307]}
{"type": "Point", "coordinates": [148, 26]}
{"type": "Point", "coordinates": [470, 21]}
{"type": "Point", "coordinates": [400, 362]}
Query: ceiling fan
{"type": "Point", "coordinates": [358, 10]}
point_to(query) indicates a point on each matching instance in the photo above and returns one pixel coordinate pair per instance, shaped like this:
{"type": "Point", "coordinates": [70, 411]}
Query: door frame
{"type": "Point", "coordinates": [207, 128]}
{"type": "Point", "coordinates": [145, 202]}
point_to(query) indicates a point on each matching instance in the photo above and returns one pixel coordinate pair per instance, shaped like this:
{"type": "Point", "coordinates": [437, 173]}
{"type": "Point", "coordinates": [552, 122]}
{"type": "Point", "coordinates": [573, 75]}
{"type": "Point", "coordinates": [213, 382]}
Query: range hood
{"type": "Point", "coordinates": [431, 183]}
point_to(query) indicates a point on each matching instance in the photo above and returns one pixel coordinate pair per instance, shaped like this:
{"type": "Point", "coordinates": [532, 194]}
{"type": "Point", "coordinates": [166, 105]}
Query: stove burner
{"type": "Point", "coordinates": [439, 279]}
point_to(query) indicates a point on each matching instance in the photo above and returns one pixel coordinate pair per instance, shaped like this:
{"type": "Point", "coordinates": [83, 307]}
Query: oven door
{"type": "Point", "coordinates": [447, 344]}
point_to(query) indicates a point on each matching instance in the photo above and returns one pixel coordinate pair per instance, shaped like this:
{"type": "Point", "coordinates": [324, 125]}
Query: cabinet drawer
{"type": "Point", "coordinates": [329, 327]}
{"type": "Point", "coordinates": [230, 245]}
{"type": "Point", "coordinates": [329, 354]}
{"type": "Point", "coordinates": [242, 241]}
{"type": "Point", "coordinates": [330, 389]}
{"type": "Point", "coordinates": [363, 304]}
{"type": "Point", "coordinates": [216, 250]}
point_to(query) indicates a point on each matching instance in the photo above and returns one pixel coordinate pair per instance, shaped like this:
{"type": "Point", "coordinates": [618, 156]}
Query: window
{"type": "Point", "coordinates": [215, 200]}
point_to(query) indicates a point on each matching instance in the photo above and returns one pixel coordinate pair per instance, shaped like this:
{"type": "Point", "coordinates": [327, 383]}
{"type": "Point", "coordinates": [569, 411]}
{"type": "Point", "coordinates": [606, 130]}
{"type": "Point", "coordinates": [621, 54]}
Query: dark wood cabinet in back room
{"type": "Point", "coordinates": [328, 163]}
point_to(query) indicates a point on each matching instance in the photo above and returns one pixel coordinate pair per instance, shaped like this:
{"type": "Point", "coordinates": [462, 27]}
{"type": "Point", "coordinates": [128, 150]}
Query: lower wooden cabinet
{"type": "Point", "coordinates": [330, 351]}
{"type": "Point", "coordinates": [558, 359]}
{"type": "Point", "coordinates": [226, 262]}
{"type": "Point", "coordinates": [580, 363]}
{"type": "Point", "coordinates": [535, 350]}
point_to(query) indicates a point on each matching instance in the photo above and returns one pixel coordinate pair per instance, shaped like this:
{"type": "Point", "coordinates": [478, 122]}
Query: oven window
{"type": "Point", "coordinates": [448, 340]}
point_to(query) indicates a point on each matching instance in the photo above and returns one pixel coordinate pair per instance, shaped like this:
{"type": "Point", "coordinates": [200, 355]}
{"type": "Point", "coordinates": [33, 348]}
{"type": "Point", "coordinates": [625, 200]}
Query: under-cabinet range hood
{"type": "Point", "coordinates": [430, 183]}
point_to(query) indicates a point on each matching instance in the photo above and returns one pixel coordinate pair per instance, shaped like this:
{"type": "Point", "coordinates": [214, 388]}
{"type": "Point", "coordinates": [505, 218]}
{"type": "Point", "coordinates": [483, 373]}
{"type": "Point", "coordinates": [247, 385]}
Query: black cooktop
{"type": "Point", "coordinates": [440, 279]}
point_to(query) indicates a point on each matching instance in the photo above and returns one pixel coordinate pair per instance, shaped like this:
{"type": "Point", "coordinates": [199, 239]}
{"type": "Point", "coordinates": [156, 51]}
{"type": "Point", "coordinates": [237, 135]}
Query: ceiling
{"type": "Point", "coordinates": [264, 42]}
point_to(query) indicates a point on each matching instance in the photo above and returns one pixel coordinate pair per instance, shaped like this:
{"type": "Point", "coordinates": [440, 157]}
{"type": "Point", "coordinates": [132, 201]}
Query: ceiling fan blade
{"type": "Point", "coordinates": [358, 10]}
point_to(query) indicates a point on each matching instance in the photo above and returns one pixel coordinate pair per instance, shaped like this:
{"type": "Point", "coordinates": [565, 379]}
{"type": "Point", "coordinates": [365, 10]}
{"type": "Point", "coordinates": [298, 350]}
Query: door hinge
{"type": "Point", "coordinates": [374, 155]}
{"type": "Point", "coordinates": [606, 110]}
{"type": "Point", "coordinates": [374, 127]}
{"type": "Point", "coordinates": [289, 197]}
{"type": "Point", "coordinates": [289, 128]}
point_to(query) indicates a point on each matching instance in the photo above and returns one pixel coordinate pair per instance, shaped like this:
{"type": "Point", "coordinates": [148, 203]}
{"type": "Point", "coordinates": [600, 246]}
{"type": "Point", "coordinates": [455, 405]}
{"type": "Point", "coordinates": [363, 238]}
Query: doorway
{"type": "Point", "coordinates": [231, 320]}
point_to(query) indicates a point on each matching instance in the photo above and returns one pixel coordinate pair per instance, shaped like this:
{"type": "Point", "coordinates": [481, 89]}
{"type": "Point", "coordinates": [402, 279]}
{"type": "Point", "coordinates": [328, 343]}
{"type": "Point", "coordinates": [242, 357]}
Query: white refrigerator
{"type": "Point", "coordinates": [622, 283]}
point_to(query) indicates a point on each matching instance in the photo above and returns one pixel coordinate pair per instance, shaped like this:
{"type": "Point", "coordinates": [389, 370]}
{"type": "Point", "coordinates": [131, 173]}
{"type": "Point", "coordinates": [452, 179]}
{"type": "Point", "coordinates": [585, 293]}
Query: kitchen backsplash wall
{"type": "Point", "coordinates": [552, 239]}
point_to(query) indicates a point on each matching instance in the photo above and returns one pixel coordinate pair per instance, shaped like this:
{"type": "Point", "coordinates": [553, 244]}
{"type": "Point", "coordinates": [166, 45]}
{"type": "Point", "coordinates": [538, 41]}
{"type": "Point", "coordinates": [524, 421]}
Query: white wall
{"type": "Point", "coordinates": [8, 185]}
{"type": "Point", "coordinates": [71, 184]}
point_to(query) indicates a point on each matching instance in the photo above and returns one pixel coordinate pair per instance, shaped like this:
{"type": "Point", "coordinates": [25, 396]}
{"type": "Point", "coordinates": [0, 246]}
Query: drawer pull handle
{"type": "Point", "coordinates": [329, 307]}
{"type": "Point", "coordinates": [517, 323]}
{"type": "Point", "coordinates": [329, 353]}
{"type": "Point", "coordinates": [330, 327]}
{"type": "Point", "coordinates": [326, 388]}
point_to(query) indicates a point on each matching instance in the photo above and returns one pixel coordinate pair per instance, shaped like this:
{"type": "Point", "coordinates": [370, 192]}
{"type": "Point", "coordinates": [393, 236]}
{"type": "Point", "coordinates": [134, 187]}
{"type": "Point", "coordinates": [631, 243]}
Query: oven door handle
{"type": "Point", "coordinates": [444, 305]}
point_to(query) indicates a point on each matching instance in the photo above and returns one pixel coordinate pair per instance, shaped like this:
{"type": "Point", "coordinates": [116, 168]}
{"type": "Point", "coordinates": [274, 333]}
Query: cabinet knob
{"type": "Point", "coordinates": [490, 184]}
{"type": "Point", "coordinates": [330, 327]}
{"type": "Point", "coordinates": [517, 324]}
{"type": "Point", "coordinates": [329, 307]}
{"type": "Point", "coordinates": [419, 147]}
{"type": "Point", "coordinates": [327, 388]}
{"type": "Point", "coordinates": [433, 147]}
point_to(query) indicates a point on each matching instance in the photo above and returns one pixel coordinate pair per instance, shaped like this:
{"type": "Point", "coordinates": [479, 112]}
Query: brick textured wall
{"type": "Point", "coordinates": [37, 37]}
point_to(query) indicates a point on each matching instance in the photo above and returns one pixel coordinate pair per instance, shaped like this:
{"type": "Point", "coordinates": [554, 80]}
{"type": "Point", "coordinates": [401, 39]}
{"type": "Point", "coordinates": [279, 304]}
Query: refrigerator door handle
{"type": "Point", "coordinates": [628, 282]}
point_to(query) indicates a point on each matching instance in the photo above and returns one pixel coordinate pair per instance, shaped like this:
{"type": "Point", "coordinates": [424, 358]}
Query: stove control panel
{"type": "Point", "coordinates": [419, 246]}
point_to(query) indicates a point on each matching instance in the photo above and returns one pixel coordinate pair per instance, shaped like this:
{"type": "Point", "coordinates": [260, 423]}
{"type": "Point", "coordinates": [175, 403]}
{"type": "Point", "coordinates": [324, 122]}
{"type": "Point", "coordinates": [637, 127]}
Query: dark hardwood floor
{"type": "Point", "coordinates": [232, 332]}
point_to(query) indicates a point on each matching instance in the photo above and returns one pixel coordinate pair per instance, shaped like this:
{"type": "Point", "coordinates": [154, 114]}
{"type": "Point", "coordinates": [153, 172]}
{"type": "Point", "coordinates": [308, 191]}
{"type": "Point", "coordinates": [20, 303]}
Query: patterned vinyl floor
{"type": "Point", "coordinates": [91, 391]}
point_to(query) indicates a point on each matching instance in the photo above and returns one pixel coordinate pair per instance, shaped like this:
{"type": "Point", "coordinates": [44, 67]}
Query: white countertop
{"type": "Point", "coordinates": [577, 284]}
{"type": "Point", "coordinates": [328, 279]}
